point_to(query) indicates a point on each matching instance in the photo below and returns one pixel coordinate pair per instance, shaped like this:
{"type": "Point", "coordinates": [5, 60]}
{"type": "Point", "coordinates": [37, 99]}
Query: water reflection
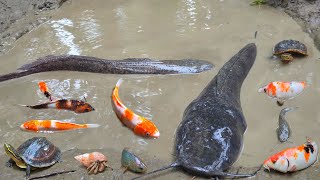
{"type": "Point", "coordinates": [65, 36]}
{"type": "Point", "coordinates": [142, 142]}
{"type": "Point", "coordinates": [91, 29]}
{"type": "Point", "coordinates": [67, 89]}
{"type": "Point", "coordinates": [121, 17]}
{"type": "Point", "coordinates": [188, 13]}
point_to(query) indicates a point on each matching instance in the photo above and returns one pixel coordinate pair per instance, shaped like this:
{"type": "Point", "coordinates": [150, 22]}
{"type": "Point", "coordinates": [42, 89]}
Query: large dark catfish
{"type": "Point", "coordinates": [210, 137]}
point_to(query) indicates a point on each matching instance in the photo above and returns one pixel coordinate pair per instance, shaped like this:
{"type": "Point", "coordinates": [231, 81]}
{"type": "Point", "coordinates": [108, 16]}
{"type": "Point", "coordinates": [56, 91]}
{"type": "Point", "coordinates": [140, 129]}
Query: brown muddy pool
{"type": "Point", "coordinates": [170, 29]}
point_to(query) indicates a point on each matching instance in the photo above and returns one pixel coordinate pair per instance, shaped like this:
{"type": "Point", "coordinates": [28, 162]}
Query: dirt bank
{"type": "Point", "coordinates": [305, 12]}
{"type": "Point", "coordinates": [18, 17]}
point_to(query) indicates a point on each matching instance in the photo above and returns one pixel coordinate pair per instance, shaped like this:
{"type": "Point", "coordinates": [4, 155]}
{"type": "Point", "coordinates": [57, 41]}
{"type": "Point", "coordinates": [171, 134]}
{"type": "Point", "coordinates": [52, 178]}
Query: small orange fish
{"type": "Point", "coordinates": [282, 91]}
{"type": "Point", "coordinates": [44, 89]}
{"type": "Point", "coordinates": [53, 125]}
{"type": "Point", "coordinates": [71, 105]}
{"type": "Point", "coordinates": [140, 125]}
{"type": "Point", "coordinates": [293, 159]}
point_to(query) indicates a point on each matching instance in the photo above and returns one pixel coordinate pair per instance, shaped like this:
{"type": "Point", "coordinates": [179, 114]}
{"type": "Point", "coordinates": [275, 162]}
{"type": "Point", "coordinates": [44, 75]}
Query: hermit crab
{"type": "Point", "coordinates": [95, 162]}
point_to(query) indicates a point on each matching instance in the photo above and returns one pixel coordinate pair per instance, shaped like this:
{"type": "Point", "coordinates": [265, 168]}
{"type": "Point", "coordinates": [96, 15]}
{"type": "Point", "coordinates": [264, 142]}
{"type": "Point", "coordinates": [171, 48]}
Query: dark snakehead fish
{"type": "Point", "coordinates": [284, 131]}
{"type": "Point", "coordinates": [97, 65]}
{"type": "Point", "coordinates": [209, 138]}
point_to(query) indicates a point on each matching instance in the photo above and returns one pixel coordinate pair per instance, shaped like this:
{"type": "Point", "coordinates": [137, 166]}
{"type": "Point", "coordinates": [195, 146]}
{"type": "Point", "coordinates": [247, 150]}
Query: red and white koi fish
{"type": "Point", "coordinates": [283, 91]}
{"type": "Point", "coordinates": [293, 159]}
{"type": "Point", "coordinates": [71, 105]}
{"type": "Point", "coordinates": [140, 125]}
{"type": "Point", "coordinates": [53, 125]}
{"type": "Point", "coordinates": [44, 89]}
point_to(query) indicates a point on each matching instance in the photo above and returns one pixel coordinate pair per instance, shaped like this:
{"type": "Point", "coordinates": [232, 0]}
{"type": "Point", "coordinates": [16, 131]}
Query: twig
{"type": "Point", "coordinates": [52, 174]}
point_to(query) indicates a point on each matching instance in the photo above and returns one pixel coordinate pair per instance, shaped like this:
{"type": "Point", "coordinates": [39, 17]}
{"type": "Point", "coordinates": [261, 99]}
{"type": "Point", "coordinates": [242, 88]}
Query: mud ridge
{"type": "Point", "coordinates": [305, 12]}
{"type": "Point", "coordinates": [18, 17]}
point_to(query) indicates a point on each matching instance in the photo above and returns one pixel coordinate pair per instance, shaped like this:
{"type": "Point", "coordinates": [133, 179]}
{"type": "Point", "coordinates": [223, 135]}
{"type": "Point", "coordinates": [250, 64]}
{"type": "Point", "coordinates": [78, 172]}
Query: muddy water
{"type": "Point", "coordinates": [209, 30]}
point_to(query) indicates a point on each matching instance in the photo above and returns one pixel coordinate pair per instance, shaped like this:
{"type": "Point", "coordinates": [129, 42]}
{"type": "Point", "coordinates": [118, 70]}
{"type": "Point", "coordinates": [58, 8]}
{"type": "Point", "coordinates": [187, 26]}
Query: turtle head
{"type": "Point", "coordinates": [14, 155]}
{"type": "Point", "coordinates": [286, 57]}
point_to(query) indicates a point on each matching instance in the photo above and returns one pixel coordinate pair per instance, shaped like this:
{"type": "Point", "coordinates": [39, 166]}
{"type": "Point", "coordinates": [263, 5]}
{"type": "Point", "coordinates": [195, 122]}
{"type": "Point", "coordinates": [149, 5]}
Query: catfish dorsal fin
{"type": "Point", "coordinates": [174, 164]}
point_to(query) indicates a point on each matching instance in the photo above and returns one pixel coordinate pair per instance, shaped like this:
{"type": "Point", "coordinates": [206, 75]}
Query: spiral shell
{"type": "Point", "coordinates": [88, 158]}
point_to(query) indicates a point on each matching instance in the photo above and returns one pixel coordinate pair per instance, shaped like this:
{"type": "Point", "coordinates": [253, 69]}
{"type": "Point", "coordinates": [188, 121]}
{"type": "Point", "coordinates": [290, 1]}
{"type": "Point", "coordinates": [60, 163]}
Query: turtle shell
{"type": "Point", "coordinates": [290, 46]}
{"type": "Point", "coordinates": [39, 152]}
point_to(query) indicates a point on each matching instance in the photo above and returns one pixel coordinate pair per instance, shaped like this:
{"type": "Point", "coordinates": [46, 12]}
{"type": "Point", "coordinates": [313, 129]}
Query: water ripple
{"type": "Point", "coordinates": [91, 29]}
{"type": "Point", "coordinates": [65, 36]}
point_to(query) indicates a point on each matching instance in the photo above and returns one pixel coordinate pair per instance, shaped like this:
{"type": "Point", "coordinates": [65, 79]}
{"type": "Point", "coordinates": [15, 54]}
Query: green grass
{"type": "Point", "coordinates": [258, 2]}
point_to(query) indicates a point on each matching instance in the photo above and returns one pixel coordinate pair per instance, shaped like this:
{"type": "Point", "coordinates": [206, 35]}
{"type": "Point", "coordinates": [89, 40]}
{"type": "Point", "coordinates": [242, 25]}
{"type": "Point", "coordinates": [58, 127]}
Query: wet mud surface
{"type": "Point", "coordinates": [68, 162]}
{"type": "Point", "coordinates": [175, 30]}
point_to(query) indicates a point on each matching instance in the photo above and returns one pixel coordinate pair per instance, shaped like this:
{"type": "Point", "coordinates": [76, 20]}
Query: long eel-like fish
{"type": "Point", "coordinates": [104, 66]}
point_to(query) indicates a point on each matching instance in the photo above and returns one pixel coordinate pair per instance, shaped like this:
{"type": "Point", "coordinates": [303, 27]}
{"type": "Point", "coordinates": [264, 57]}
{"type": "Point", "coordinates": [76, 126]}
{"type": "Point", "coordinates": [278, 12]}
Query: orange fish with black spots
{"type": "Point", "coordinates": [53, 125]}
{"type": "Point", "coordinates": [293, 159]}
{"type": "Point", "coordinates": [140, 125]}
{"type": "Point", "coordinates": [71, 105]}
{"type": "Point", "coordinates": [45, 90]}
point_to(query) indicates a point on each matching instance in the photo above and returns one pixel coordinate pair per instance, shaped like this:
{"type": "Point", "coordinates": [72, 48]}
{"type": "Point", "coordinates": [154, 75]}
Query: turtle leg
{"type": "Point", "coordinates": [10, 163]}
{"type": "Point", "coordinates": [28, 170]}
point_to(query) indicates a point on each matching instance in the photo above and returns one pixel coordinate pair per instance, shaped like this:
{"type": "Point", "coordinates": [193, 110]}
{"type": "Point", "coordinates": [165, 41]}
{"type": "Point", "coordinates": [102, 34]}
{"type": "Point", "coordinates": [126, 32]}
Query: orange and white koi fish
{"type": "Point", "coordinates": [53, 125]}
{"type": "Point", "coordinates": [293, 159]}
{"type": "Point", "coordinates": [140, 125]}
{"type": "Point", "coordinates": [283, 91]}
{"type": "Point", "coordinates": [44, 89]}
{"type": "Point", "coordinates": [71, 105]}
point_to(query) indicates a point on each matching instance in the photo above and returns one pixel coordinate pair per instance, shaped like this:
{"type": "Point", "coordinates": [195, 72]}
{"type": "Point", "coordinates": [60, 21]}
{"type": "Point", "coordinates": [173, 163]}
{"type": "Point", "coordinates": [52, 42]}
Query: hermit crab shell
{"type": "Point", "coordinates": [88, 158]}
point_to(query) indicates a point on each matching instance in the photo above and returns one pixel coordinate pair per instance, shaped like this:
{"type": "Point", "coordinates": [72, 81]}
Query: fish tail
{"type": "Point", "coordinates": [43, 86]}
{"type": "Point", "coordinates": [44, 89]}
{"type": "Point", "coordinates": [92, 125]}
{"type": "Point", "coordinates": [261, 90]}
{"type": "Point", "coordinates": [291, 108]}
{"type": "Point", "coordinates": [23, 105]}
{"type": "Point", "coordinates": [119, 82]}
{"type": "Point", "coordinates": [115, 99]}
{"type": "Point", "coordinates": [175, 164]}
{"type": "Point", "coordinates": [285, 110]}
{"type": "Point", "coordinates": [39, 106]}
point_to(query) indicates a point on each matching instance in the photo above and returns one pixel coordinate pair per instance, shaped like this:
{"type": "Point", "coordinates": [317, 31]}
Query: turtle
{"type": "Point", "coordinates": [286, 48]}
{"type": "Point", "coordinates": [37, 152]}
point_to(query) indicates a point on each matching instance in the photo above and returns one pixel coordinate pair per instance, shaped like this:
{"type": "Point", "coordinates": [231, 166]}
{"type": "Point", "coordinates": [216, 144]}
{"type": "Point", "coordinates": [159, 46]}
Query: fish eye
{"type": "Point", "coordinates": [265, 90]}
{"type": "Point", "coordinates": [147, 134]}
